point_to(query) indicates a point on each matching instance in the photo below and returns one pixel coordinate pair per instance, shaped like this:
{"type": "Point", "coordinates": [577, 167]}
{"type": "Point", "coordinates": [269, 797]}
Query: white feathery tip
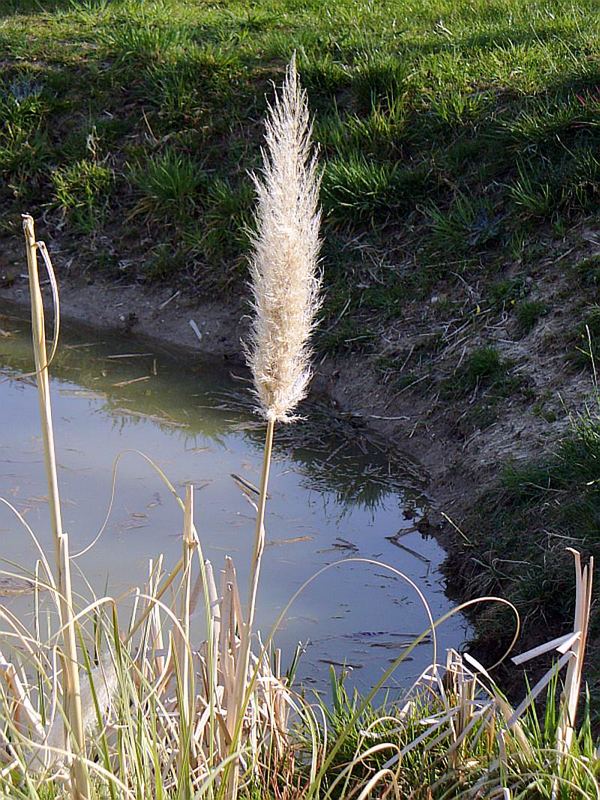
{"type": "Point", "coordinates": [284, 261]}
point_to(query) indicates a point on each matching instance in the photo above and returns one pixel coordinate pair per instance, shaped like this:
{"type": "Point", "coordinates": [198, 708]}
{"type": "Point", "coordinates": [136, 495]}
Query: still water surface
{"type": "Point", "coordinates": [333, 494]}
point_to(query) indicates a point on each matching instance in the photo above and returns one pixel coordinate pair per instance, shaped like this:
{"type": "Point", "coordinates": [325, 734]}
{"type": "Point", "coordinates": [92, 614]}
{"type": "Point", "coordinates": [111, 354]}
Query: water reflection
{"type": "Point", "coordinates": [334, 493]}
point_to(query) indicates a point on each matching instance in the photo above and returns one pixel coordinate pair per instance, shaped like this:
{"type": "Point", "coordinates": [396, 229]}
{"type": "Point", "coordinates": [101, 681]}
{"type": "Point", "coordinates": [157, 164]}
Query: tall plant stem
{"type": "Point", "coordinates": [246, 632]}
{"type": "Point", "coordinates": [38, 332]}
{"type": "Point", "coordinates": [188, 548]}
{"type": "Point", "coordinates": [71, 686]}
{"type": "Point", "coordinates": [186, 689]}
{"type": "Point", "coordinates": [259, 534]}
{"type": "Point", "coordinates": [572, 686]}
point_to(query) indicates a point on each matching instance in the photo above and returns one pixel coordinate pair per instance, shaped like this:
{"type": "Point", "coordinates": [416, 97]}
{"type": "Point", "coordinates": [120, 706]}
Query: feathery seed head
{"type": "Point", "coordinates": [284, 261]}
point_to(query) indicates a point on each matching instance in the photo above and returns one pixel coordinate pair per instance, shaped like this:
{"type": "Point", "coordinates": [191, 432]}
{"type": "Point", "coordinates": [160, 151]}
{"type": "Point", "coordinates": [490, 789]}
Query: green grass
{"type": "Point", "coordinates": [587, 338]}
{"type": "Point", "coordinates": [364, 737]}
{"type": "Point", "coordinates": [483, 369]}
{"type": "Point", "coordinates": [519, 533]}
{"type": "Point", "coordinates": [227, 220]}
{"type": "Point", "coordinates": [528, 314]}
{"type": "Point", "coordinates": [464, 228]}
{"type": "Point", "coordinates": [168, 186]}
{"type": "Point", "coordinates": [503, 295]}
{"type": "Point", "coordinates": [533, 197]}
{"type": "Point", "coordinates": [83, 191]}
{"type": "Point", "coordinates": [356, 188]}
{"type": "Point", "coordinates": [587, 274]}
{"type": "Point", "coordinates": [485, 126]}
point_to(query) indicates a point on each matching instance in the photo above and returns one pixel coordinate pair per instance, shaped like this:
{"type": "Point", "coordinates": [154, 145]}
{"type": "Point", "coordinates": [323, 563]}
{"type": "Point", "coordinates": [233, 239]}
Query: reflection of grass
{"type": "Point", "coordinates": [341, 456]}
{"type": "Point", "coordinates": [169, 400]}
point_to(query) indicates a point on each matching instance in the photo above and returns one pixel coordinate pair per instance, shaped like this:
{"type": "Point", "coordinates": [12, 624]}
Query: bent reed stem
{"type": "Point", "coordinates": [43, 385]}
{"type": "Point", "coordinates": [74, 731]}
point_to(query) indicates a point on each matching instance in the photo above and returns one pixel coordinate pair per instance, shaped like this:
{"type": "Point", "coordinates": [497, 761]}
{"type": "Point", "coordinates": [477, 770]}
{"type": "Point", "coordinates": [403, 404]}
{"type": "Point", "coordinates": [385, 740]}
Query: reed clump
{"type": "Point", "coordinates": [98, 700]}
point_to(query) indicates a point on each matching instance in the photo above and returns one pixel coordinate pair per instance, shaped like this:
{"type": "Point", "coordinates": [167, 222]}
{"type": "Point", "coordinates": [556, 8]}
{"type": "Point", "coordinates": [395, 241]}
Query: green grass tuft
{"type": "Point", "coordinates": [168, 186]}
{"type": "Point", "coordinates": [505, 294]}
{"type": "Point", "coordinates": [484, 369]}
{"type": "Point", "coordinates": [359, 188]}
{"type": "Point", "coordinates": [82, 190]}
{"type": "Point", "coordinates": [467, 226]}
{"type": "Point", "coordinates": [587, 273]}
{"type": "Point", "coordinates": [534, 197]}
{"type": "Point", "coordinates": [528, 314]}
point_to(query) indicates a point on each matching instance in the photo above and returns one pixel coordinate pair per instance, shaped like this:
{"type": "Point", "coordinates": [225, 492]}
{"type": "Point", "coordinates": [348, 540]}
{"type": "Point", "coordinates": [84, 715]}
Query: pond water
{"type": "Point", "coordinates": [333, 494]}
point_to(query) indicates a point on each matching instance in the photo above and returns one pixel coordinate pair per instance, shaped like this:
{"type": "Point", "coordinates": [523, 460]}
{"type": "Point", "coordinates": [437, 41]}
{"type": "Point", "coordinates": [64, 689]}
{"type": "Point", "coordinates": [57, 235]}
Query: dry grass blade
{"type": "Point", "coordinates": [571, 647]}
{"type": "Point", "coordinates": [583, 604]}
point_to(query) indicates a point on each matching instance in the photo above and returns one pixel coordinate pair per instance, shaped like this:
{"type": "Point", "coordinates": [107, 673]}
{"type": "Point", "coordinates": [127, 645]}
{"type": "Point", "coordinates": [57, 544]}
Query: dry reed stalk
{"type": "Point", "coordinates": [156, 638]}
{"type": "Point", "coordinates": [285, 290]}
{"type": "Point", "coordinates": [188, 548]}
{"type": "Point", "coordinates": [186, 703]}
{"type": "Point", "coordinates": [570, 697]}
{"type": "Point", "coordinates": [71, 683]}
{"type": "Point", "coordinates": [571, 648]}
{"type": "Point", "coordinates": [204, 727]}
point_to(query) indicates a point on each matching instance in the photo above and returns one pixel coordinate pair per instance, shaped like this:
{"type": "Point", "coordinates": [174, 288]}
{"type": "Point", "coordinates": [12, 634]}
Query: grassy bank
{"type": "Point", "coordinates": [450, 132]}
{"type": "Point", "coordinates": [516, 541]}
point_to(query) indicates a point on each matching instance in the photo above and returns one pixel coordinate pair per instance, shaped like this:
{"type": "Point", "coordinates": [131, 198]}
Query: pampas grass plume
{"type": "Point", "coordinates": [284, 261]}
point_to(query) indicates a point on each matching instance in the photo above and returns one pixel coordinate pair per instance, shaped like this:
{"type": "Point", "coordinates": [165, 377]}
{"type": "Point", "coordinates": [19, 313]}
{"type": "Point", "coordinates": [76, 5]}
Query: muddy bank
{"type": "Point", "coordinates": [415, 382]}
{"type": "Point", "coordinates": [349, 383]}
{"type": "Point", "coordinates": [164, 314]}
